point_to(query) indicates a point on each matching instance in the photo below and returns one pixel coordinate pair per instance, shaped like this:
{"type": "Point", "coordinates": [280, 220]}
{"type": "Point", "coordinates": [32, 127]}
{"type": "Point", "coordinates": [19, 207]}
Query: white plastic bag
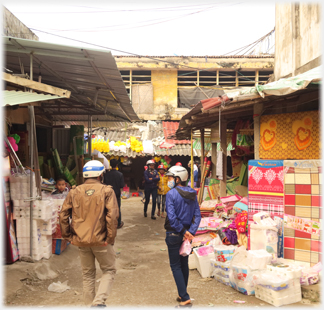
{"type": "Point", "coordinates": [58, 287]}
{"type": "Point", "coordinates": [311, 275]}
{"type": "Point", "coordinates": [258, 259]}
{"type": "Point", "coordinates": [185, 248]}
{"type": "Point", "coordinates": [216, 241]}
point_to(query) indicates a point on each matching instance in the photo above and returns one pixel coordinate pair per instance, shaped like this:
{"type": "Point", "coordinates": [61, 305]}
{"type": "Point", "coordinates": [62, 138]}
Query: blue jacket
{"type": "Point", "coordinates": [182, 209]}
{"type": "Point", "coordinates": [151, 184]}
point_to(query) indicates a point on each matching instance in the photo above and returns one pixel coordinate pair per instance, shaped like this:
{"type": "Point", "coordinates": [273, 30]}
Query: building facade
{"type": "Point", "coordinates": [298, 33]}
{"type": "Point", "coordinates": [160, 87]}
{"type": "Point", "coordinates": [13, 27]}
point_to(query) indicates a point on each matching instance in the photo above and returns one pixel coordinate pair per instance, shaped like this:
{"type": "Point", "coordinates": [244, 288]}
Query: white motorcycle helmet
{"type": "Point", "coordinates": [150, 162]}
{"type": "Point", "coordinates": [178, 171]}
{"type": "Point", "coordinates": [93, 169]}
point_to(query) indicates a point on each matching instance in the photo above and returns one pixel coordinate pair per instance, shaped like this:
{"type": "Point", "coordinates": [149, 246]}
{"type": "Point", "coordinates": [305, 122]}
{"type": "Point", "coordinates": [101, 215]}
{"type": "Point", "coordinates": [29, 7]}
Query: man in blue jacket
{"type": "Point", "coordinates": [181, 223]}
{"type": "Point", "coordinates": [152, 178]}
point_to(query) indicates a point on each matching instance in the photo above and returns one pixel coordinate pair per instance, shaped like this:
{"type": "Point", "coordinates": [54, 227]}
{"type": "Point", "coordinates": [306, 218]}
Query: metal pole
{"type": "Point", "coordinates": [192, 165]}
{"type": "Point", "coordinates": [31, 69]}
{"type": "Point", "coordinates": [89, 153]}
{"type": "Point", "coordinates": [15, 155]}
{"type": "Point", "coordinates": [31, 118]}
{"type": "Point", "coordinates": [31, 113]}
{"type": "Point", "coordinates": [90, 148]}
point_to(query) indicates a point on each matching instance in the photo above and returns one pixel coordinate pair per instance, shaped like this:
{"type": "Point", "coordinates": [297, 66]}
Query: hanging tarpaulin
{"type": "Point", "coordinates": [190, 96]}
{"type": "Point", "coordinates": [197, 144]}
{"type": "Point", "coordinates": [283, 86]}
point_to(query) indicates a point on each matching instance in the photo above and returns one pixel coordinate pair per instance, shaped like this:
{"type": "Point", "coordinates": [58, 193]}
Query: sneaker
{"type": "Point", "coordinates": [153, 217]}
{"type": "Point", "coordinates": [121, 225]}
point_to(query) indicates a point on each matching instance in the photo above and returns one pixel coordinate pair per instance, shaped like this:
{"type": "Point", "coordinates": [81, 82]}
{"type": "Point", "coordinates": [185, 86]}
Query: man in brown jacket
{"type": "Point", "coordinates": [93, 209]}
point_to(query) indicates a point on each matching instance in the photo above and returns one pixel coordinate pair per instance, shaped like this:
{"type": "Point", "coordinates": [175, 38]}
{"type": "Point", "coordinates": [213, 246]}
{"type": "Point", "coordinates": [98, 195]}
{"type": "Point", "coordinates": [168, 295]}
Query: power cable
{"type": "Point", "coordinates": [186, 7]}
{"type": "Point", "coordinates": [134, 54]}
{"type": "Point", "coordinates": [164, 21]}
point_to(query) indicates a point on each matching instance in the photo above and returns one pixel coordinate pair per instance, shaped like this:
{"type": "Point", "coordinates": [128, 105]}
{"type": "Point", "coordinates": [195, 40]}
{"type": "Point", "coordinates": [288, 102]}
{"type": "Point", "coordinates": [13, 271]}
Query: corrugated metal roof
{"type": "Point", "coordinates": [12, 97]}
{"type": "Point", "coordinates": [85, 72]}
{"type": "Point", "coordinates": [155, 132]}
{"type": "Point", "coordinates": [169, 129]}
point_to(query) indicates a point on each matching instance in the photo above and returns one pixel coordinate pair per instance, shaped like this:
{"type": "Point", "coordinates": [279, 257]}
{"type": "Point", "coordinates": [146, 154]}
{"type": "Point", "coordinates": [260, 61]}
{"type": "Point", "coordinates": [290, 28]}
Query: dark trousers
{"type": "Point", "coordinates": [161, 199]}
{"type": "Point", "coordinates": [119, 203]}
{"type": "Point", "coordinates": [179, 264]}
{"type": "Point", "coordinates": [148, 192]}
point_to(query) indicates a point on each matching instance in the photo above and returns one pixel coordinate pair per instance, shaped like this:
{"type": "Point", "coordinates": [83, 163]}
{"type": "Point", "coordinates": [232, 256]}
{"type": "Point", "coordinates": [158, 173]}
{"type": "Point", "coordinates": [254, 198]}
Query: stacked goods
{"type": "Point", "coordinates": [20, 187]}
{"type": "Point", "coordinates": [243, 275]}
{"type": "Point", "coordinates": [23, 238]}
{"type": "Point", "coordinates": [264, 234]}
{"type": "Point", "coordinates": [44, 216]}
{"type": "Point", "coordinates": [220, 271]}
{"type": "Point", "coordinates": [220, 264]}
{"type": "Point", "coordinates": [279, 285]}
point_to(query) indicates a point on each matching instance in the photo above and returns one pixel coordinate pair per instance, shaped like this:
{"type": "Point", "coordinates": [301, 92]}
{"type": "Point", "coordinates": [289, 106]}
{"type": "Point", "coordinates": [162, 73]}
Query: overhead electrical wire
{"type": "Point", "coordinates": [136, 55]}
{"type": "Point", "coordinates": [150, 24]}
{"type": "Point", "coordinates": [251, 45]}
{"type": "Point", "coordinates": [101, 10]}
{"type": "Point", "coordinates": [114, 27]}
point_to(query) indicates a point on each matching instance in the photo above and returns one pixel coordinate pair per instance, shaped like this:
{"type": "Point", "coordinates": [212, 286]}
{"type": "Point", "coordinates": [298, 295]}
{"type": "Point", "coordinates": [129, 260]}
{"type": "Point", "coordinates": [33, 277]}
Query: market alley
{"type": "Point", "coordinates": [143, 273]}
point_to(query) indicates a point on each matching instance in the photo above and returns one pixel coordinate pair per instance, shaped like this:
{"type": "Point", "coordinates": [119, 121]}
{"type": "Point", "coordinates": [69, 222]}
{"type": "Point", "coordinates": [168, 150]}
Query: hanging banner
{"type": "Point", "coordinates": [300, 224]}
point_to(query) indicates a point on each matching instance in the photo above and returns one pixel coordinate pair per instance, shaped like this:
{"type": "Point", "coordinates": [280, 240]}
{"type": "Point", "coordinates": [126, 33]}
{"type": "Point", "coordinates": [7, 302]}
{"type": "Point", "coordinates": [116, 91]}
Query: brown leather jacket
{"type": "Point", "coordinates": [94, 211]}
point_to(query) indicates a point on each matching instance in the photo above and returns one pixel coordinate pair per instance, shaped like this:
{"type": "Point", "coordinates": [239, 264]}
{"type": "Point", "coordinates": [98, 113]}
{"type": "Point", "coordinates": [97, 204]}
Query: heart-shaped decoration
{"type": "Point", "coordinates": [303, 134]}
{"type": "Point", "coordinates": [284, 145]}
{"type": "Point", "coordinates": [268, 139]}
{"type": "Point", "coordinates": [303, 138]}
{"type": "Point", "coordinates": [269, 135]}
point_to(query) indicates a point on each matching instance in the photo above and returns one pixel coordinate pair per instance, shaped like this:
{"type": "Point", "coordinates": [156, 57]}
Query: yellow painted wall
{"type": "Point", "coordinates": [165, 87]}
{"type": "Point", "coordinates": [221, 63]}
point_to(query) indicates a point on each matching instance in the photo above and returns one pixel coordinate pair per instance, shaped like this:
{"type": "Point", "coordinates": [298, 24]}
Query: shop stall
{"type": "Point", "coordinates": [260, 231]}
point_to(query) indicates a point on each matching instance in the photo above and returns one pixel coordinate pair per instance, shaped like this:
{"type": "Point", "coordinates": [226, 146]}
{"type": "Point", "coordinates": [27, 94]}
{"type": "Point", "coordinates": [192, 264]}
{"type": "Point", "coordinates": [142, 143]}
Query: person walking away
{"type": "Point", "coordinates": [195, 174]}
{"type": "Point", "coordinates": [151, 179]}
{"type": "Point", "coordinates": [162, 190]}
{"type": "Point", "coordinates": [115, 179]}
{"type": "Point", "coordinates": [181, 223]}
{"type": "Point", "coordinates": [93, 209]}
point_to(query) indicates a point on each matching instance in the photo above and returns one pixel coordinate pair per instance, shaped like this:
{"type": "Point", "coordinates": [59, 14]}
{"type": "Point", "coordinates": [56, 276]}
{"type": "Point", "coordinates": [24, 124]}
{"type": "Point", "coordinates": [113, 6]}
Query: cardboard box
{"type": "Point", "coordinates": [59, 245]}
{"type": "Point", "coordinates": [58, 232]}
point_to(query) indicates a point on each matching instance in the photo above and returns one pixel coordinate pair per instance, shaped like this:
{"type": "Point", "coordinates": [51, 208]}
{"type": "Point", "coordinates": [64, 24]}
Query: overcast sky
{"type": "Point", "coordinates": [150, 27]}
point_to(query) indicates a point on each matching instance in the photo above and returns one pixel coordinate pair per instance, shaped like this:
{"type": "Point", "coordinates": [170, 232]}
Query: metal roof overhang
{"type": "Point", "coordinates": [303, 88]}
{"type": "Point", "coordinates": [91, 75]}
{"type": "Point", "coordinates": [12, 97]}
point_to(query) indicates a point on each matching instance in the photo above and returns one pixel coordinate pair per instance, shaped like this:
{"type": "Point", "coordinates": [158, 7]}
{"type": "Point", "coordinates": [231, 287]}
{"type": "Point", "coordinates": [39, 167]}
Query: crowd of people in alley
{"type": "Point", "coordinates": [91, 215]}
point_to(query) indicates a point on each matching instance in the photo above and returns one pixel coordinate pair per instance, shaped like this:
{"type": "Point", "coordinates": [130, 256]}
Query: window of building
{"type": "Point", "coordinates": [135, 77]}
{"type": "Point", "coordinates": [187, 78]}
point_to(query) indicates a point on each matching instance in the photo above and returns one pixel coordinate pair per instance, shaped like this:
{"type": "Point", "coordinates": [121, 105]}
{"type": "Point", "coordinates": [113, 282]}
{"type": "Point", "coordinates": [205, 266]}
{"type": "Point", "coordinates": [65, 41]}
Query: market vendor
{"type": "Point", "coordinates": [182, 221]}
